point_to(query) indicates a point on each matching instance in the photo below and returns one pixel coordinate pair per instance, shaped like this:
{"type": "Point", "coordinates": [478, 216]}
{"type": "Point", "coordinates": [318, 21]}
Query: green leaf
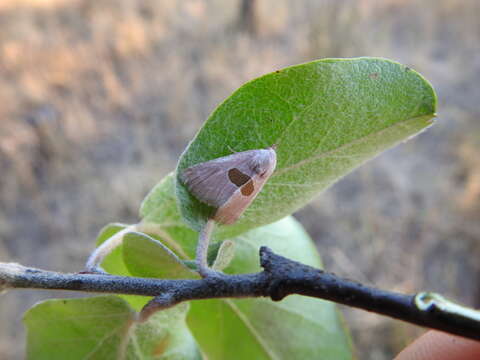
{"type": "Point", "coordinates": [326, 117]}
{"type": "Point", "coordinates": [114, 264]}
{"type": "Point", "coordinates": [105, 328]}
{"type": "Point", "coordinates": [225, 255]}
{"type": "Point", "coordinates": [147, 257]}
{"type": "Point", "coordinates": [160, 217]}
{"type": "Point", "coordinates": [295, 328]}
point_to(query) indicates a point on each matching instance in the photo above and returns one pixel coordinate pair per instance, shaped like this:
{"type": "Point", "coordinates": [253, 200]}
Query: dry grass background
{"type": "Point", "coordinates": [99, 97]}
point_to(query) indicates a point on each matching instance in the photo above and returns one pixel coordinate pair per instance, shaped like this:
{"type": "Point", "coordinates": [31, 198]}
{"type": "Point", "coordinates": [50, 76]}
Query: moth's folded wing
{"type": "Point", "coordinates": [209, 182]}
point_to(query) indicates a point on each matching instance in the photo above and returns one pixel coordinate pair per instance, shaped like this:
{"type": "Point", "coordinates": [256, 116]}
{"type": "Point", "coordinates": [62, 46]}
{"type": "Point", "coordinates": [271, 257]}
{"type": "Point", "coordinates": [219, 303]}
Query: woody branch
{"type": "Point", "coordinates": [280, 277]}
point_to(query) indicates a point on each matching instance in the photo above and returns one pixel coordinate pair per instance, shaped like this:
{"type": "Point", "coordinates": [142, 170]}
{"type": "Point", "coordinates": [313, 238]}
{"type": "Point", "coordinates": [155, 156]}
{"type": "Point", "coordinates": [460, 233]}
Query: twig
{"type": "Point", "coordinates": [281, 277]}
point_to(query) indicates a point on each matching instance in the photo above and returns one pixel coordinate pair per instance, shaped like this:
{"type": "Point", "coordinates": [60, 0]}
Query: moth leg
{"type": "Point", "coordinates": [202, 250]}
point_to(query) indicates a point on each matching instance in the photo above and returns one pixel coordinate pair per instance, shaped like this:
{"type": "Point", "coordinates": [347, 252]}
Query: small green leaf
{"type": "Point", "coordinates": [147, 257]}
{"type": "Point", "coordinates": [326, 117]}
{"type": "Point", "coordinates": [225, 255]}
{"type": "Point", "coordinates": [105, 328]}
{"type": "Point", "coordinates": [297, 327]}
{"type": "Point", "coordinates": [114, 264]}
{"type": "Point", "coordinates": [165, 336]}
{"type": "Point", "coordinates": [160, 216]}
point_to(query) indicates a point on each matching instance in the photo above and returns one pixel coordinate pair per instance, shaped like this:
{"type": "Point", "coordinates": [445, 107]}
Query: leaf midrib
{"type": "Point", "coordinates": [244, 318]}
{"type": "Point", "coordinates": [346, 145]}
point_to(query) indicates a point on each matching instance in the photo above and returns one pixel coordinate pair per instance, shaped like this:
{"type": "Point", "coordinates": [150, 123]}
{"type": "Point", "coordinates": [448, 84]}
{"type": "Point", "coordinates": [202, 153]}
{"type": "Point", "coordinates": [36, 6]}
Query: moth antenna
{"type": "Point", "coordinates": [202, 249]}
{"type": "Point", "coordinates": [231, 149]}
{"type": "Point", "coordinates": [277, 142]}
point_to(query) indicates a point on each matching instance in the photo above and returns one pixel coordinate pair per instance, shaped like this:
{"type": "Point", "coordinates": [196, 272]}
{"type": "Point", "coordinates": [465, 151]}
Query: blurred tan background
{"type": "Point", "coordinates": [98, 98]}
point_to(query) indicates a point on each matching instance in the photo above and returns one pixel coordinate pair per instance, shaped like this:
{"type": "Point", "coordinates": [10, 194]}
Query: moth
{"type": "Point", "coordinates": [232, 182]}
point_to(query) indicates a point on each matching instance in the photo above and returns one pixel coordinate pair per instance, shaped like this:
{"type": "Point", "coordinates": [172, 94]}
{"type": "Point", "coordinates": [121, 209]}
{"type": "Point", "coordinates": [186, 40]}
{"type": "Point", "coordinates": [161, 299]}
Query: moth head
{"type": "Point", "coordinates": [265, 162]}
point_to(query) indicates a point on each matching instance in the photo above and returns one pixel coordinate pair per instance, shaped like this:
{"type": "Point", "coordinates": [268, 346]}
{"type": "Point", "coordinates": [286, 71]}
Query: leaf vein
{"type": "Point", "coordinates": [344, 146]}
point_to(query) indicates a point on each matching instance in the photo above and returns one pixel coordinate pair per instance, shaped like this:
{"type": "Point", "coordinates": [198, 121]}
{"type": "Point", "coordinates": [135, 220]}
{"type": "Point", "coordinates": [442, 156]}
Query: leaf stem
{"type": "Point", "coordinates": [202, 249]}
{"type": "Point", "coordinates": [96, 257]}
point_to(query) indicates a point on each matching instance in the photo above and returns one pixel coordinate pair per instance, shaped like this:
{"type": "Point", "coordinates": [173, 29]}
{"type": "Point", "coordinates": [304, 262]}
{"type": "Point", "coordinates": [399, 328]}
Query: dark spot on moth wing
{"type": "Point", "coordinates": [248, 189]}
{"type": "Point", "coordinates": [237, 177]}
